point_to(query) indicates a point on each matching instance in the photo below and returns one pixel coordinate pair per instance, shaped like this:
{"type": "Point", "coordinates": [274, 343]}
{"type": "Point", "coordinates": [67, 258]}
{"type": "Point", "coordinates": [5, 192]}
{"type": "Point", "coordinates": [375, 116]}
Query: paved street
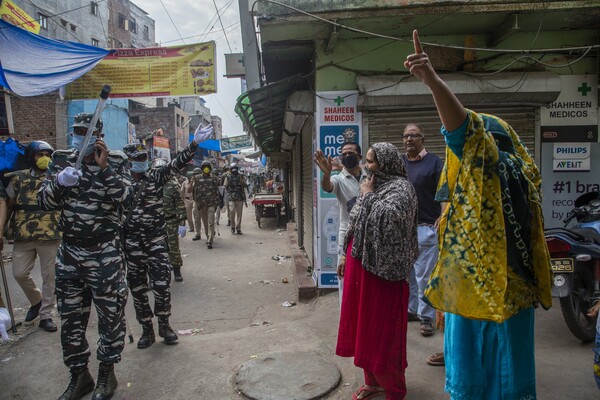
{"type": "Point", "coordinates": [231, 302]}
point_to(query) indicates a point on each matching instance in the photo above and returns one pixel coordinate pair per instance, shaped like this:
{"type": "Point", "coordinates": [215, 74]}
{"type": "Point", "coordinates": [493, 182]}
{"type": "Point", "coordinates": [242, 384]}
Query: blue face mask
{"type": "Point", "coordinates": [139, 166]}
{"type": "Point", "coordinates": [77, 142]}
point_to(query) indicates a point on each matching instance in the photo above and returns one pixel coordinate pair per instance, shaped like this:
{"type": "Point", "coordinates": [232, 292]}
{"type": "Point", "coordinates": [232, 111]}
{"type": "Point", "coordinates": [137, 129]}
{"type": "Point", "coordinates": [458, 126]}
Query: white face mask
{"type": "Point", "coordinates": [77, 142]}
{"type": "Point", "coordinates": [139, 166]}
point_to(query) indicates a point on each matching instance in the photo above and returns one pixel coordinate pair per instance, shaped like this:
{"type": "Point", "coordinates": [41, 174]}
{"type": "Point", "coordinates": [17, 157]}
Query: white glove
{"type": "Point", "coordinates": [68, 177]}
{"type": "Point", "coordinates": [203, 134]}
{"type": "Point", "coordinates": [182, 231]}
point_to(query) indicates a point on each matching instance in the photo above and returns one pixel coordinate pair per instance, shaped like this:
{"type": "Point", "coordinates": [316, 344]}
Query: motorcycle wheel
{"type": "Point", "coordinates": [574, 308]}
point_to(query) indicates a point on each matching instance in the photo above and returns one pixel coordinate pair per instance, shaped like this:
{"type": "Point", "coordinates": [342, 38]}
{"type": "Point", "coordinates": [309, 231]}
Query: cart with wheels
{"type": "Point", "coordinates": [267, 205]}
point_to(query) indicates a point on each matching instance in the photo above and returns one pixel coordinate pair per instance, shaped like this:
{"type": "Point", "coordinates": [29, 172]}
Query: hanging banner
{"type": "Point", "coordinates": [235, 143]}
{"type": "Point", "coordinates": [12, 14]}
{"type": "Point", "coordinates": [161, 71]}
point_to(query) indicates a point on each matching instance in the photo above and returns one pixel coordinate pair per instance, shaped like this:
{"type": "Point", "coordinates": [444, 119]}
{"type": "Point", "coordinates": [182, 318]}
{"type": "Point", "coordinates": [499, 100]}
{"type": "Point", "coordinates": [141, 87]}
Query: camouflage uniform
{"type": "Point", "coordinates": [236, 186]}
{"type": "Point", "coordinates": [146, 248]}
{"type": "Point", "coordinates": [175, 216]}
{"type": "Point", "coordinates": [35, 233]}
{"type": "Point", "coordinates": [207, 199]}
{"type": "Point", "coordinates": [90, 261]}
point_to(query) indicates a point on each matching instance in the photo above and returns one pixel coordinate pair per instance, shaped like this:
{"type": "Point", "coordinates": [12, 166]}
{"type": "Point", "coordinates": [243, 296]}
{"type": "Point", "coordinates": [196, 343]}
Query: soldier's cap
{"type": "Point", "coordinates": [82, 120]}
{"type": "Point", "coordinates": [197, 171]}
{"type": "Point", "coordinates": [206, 163]}
{"type": "Point", "coordinates": [133, 150]}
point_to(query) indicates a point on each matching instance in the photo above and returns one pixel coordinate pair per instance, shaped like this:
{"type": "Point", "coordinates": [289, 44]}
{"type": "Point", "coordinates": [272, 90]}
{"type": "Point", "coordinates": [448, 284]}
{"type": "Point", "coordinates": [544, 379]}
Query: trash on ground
{"type": "Point", "coordinates": [280, 258]}
{"type": "Point", "coordinates": [280, 230]}
{"type": "Point", "coordinates": [266, 282]}
{"type": "Point", "coordinates": [254, 356]}
{"type": "Point", "coordinates": [288, 303]}
{"type": "Point", "coordinates": [260, 323]}
{"type": "Point", "coordinates": [190, 331]}
{"type": "Point", "coordinates": [271, 331]}
{"type": "Point", "coordinates": [284, 280]}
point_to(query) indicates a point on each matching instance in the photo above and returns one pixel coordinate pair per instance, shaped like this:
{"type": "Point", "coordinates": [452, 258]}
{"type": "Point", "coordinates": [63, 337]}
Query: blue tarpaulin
{"type": "Point", "coordinates": [32, 65]}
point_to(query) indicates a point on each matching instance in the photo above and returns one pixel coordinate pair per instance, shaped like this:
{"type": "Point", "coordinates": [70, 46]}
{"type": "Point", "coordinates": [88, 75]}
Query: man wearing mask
{"type": "Point", "coordinates": [35, 233]}
{"type": "Point", "coordinates": [90, 261]}
{"type": "Point", "coordinates": [346, 187]}
{"type": "Point", "coordinates": [145, 238]}
{"type": "Point", "coordinates": [424, 170]}
{"type": "Point", "coordinates": [205, 189]}
{"type": "Point", "coordinates": [236, 190]}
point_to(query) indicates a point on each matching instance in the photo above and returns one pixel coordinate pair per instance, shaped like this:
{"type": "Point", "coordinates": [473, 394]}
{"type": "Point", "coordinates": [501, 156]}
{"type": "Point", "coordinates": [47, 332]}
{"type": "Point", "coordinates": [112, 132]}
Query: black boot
{"type": "Point", "coordinates": [166, 332]}
{"type": "Point", "coordinates": [107, 382]}
{"type": "Point", "coordinates": [177, 273]}
{"type": "Point", "coordinates": [147, 337]}
{"type": "Point", "coordinates": [81, 384]}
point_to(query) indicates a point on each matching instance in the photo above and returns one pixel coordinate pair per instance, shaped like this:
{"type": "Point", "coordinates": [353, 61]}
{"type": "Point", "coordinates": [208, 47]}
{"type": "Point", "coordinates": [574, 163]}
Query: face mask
{"type": "Point", "coordinates": [350, 161]}
{"type": "Point", "coordinates": [139, 166]}
{"type": "Point", "coordinates": [77, 142]}
{"type": "Point", "coordinates": [42, 163]}
{"type": "Point", "coordinates": [206, 170]}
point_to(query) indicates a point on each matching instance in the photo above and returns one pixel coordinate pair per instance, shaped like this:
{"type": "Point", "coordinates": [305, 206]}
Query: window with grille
{"type": "Point", "coordinates": [146, 32]}
{"type": "Point", "coordinates": [132, 25]}
{"type": "Point", "coordinates": [122, 21]}
{"type": "Point", "coordinates": [95, 42]}
{"type": "Point", "coordinates": [94, 8]}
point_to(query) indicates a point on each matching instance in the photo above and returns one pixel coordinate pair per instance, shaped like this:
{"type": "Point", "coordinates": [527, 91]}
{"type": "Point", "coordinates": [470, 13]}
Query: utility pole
{"type": "Point", "coordinates": [250, 45]}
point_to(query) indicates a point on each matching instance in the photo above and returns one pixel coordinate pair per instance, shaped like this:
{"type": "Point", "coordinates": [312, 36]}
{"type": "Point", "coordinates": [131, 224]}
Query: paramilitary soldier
{"type": "Point", "coordinates": [35, 233]}
{"type": "Point", "coordinates": [205, 188]}
{"type": "Point", "coordinates": [175, 218]}
{"type": "Point", "coordinates": [90, 261]}
{"type": "Point", "coordinates": [146, 248]}
{"type": "Point", "coordinates": [236, 190]}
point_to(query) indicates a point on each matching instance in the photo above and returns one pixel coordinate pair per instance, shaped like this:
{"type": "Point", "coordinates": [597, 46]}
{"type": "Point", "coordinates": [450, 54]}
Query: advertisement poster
{"type": "Point", "coordinates": [162, 71]}
{"type": "Point", "coordinates": [338, 121]}
{"type": "Point", "coordinates": [160, 147]}
{"type": "Point", "coordinates": [12, 14]}
{"type": "Point", "coordinates": [570, 148]}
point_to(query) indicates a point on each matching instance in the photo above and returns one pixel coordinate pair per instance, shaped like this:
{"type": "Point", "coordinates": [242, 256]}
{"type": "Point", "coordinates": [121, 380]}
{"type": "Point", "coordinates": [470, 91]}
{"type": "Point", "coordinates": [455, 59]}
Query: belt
{"type": "Point", "coordinates": [90, 241]}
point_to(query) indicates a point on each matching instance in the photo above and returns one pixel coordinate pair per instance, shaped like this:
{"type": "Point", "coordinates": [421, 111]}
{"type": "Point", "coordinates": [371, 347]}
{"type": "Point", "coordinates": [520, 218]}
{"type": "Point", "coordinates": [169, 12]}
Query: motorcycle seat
{"type": "Point", "coordinates": [590, 233]}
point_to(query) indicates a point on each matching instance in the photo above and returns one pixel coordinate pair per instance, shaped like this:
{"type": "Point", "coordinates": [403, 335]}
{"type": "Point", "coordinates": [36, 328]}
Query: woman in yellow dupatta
{"type": "Point", "coordinates": [493, 266]}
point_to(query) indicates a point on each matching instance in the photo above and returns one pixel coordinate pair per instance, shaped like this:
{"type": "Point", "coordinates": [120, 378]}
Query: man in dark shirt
{"type": "Point", "coordinates": [424, 170]}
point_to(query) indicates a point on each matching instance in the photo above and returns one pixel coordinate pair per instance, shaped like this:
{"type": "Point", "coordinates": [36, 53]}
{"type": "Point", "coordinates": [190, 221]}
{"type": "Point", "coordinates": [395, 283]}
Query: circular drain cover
{"type": "Point", "coordinates": [287, 376]}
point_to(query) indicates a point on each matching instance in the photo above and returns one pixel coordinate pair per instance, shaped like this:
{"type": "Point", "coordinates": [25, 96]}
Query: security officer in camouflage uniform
{"type": "Point", "coordinates": [146, 248]}
{"type": "Point", "coordinates": [225, 196]}
{"type": "Point", "coordinates": [35, 234]}
{"type": "Point", "coordinates": [90, 262]}
{"type": "Point", "coordinates": [236, 189]}
{"type": "Point", "coordinates": [175, 218]}
{"type": "Point", "coordinates": [205, 188]}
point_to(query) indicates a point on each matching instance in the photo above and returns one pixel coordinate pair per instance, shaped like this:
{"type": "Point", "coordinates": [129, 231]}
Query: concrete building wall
{"type": "Point", "coordinates": [217, 124]}
{"type": "Point", "coordinates": [127, 25]}
{"type": "Point", "coordinates": [169, 119]}
{"type": "Point", "coordinates": [144, 35]}
{"type": "Point", "coordinates": [78, 25]}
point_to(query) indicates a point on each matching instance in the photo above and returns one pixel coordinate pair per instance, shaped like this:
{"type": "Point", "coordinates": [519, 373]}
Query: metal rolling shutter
{"type": "Point", "coordinates": [387, 126]}
{"type": "Point", "coordinates": [306, 237]}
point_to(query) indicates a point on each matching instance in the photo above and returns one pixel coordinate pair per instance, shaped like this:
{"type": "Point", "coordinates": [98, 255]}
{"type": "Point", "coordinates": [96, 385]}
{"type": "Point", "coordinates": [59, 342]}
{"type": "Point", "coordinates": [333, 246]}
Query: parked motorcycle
{"type": "Point", "coordinates": [575, 259]}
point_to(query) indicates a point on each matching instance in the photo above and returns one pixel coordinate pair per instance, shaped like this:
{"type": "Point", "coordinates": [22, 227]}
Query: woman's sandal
{"type": "Point", "coordinates": [436, 359]}
{"type": "Point", "coordinates": [367, 393]}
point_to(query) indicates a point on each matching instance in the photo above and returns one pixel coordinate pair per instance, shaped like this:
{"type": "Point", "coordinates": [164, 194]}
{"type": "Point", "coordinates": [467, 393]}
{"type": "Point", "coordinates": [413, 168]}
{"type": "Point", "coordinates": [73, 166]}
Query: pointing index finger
{"type": "Point", "coordinates": [417, 42]}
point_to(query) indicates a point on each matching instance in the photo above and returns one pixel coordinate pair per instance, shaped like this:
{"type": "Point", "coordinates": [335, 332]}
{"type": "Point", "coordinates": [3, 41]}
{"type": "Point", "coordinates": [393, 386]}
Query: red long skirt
{"type": "Point", "coordinates": [373, 324]}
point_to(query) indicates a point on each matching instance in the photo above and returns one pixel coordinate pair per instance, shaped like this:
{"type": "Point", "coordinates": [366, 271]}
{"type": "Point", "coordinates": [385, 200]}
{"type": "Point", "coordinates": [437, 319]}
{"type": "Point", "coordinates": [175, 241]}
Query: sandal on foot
{"type": "Point", "coordinates": [367, 393]}
{"type": "Point", "coordinates": [426, 328]}
{"type": "Point", "coordinates": [436, 359]}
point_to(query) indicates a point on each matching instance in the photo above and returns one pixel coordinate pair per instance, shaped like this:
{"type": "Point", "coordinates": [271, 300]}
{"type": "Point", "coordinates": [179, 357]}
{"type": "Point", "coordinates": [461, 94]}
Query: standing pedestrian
{"type": "Point", "coordinates": [236, 192]}
{"type": "Point", "coordinates": [494, 265]}
{"type": "Point", "coordinates": [90, 262]}
{"type": "Point", "coordinates": [188, 200]}
{"type": "Point", "coordinates": [146, 246]}
{"type": "Point", "coordinates": [205, 188]}
{"type": "Point", "coordinates": [424, 170]}
{"type": "Point", "coordinates": [346, 187]}
{"type": "Point", "coordinates": [381, 248]}
{"type": "Point", "coordinates": [225, 195]}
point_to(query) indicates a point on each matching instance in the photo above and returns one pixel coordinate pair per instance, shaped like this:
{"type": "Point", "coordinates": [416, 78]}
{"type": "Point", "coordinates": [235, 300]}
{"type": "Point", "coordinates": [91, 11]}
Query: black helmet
{"type": "Point", "coordinates": [133, 150]}
{"type": "Point", "coordinates": [82, 120]}
{"type": "Point", "coordinates": [206, 163]}
{"type": "Point", "coordinates": [37, 146]}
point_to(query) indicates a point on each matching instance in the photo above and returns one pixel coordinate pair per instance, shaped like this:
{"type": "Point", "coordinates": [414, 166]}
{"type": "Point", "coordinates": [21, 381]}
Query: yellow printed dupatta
{"type": "Point", "coordinates": [493, 259]}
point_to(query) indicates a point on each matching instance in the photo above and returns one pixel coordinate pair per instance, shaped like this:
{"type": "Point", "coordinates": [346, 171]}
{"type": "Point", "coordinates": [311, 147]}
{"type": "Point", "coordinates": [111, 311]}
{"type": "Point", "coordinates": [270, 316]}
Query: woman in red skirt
{"type": "Point", "coordinates": [381, 248]}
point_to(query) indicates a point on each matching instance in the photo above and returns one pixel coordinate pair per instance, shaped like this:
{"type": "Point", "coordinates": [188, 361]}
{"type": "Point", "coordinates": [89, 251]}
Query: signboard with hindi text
{"type": "Point", "coordinates": [12, 14]}
{"type": "Point", "coordinates": [235, 143]}
{"type": "Point", "coordinates": [161, 71]}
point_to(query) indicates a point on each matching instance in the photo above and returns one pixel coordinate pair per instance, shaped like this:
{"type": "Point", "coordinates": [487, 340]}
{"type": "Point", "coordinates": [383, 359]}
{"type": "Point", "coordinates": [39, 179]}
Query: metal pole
{"type": "Point", "coordinates": [88, 135]}
{"type": "Point", "coordinates": [8, 302]}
